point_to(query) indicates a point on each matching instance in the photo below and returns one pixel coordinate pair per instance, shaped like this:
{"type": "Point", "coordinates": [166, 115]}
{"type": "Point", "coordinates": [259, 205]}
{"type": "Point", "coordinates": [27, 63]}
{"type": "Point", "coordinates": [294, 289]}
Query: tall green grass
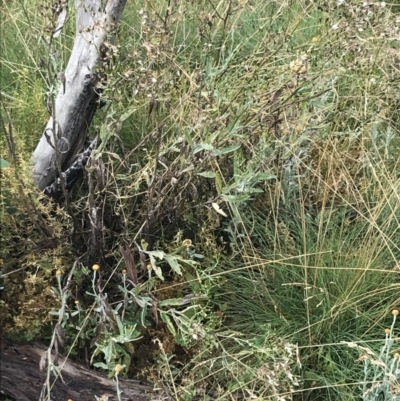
{"type": "Point", "coordinates": [284, 115]}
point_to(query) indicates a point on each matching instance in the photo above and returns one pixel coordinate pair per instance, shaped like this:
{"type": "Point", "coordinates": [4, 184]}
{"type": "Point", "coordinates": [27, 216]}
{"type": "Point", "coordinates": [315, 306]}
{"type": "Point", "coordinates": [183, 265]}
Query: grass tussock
{"type": "Point", "coordinates": [246, 194]}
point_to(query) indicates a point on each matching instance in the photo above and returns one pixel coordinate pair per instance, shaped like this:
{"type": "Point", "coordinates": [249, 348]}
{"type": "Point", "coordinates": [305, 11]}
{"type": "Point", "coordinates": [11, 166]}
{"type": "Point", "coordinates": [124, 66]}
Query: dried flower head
{"type": "Point", "coordinates": [58, 272]}
{"type": "Point", "coordinates": [118, 368]}
{"type": "Point", "coordinates": [95, 267]}
{"type": "Point", "coordinates": [395, 312]}
{"type": "Point", "coordinates": [187, 242]}
{"type": "Point", "coordinates": [387, 331]}
{"type": "Point", "coordinates": [124, 271]}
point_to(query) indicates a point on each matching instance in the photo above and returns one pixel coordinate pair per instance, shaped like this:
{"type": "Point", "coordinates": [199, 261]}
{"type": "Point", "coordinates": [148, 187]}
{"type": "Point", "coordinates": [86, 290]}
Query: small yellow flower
{"type": "Point", "coordinates": [148, 266]}
{"type": "Point", "coordinates": [395, 312]}
{"type": "Point", "coordinates": [124, 271]}
{"type": "Point", "coordinates": [95, 267]}
{"type": "Point", "coordinates": [187, 242]}
{"type": "Point", "coordinates": [77, 302]}
{"type": "Point", "coordinates": [387, 331]}
{"type": "Point", "coordinates": [298, 128]}
{"type": "Point", "coordinates": [58, 272]}
{"type": "Point", "coordinates": [1, 261]}
{"type": "Point", "coordinates": [396, 355]}
{"type": "Point", "coordinates": [118, 368]}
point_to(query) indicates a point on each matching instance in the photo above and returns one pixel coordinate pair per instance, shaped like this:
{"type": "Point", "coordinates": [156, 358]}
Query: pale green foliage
{"type": "Point", "coordinates": [267, 132]}
{"type": "Point", "coordinates": [381, 372]}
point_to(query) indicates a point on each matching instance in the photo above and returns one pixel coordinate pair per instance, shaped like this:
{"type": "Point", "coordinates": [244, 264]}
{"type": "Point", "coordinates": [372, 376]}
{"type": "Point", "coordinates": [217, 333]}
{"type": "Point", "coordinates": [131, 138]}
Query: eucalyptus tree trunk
{"type": "Point", "coordinates": [75, 104]}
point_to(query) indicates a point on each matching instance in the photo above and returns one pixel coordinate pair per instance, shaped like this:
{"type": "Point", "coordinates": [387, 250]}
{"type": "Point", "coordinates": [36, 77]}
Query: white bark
{"type": "Point", "coordinates": [75, 103]}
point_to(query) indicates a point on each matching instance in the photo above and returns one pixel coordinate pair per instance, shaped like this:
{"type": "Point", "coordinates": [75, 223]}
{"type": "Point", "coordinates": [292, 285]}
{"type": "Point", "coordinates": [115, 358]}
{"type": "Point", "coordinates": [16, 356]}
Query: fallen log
{"type": "Point", "coordinates": [22, 380]}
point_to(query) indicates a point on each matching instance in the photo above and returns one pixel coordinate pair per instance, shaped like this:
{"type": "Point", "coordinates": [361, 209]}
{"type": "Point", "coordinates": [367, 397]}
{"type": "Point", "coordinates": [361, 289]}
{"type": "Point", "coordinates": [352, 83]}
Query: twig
{"type": "Point", "coordinates": [57, 337]}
